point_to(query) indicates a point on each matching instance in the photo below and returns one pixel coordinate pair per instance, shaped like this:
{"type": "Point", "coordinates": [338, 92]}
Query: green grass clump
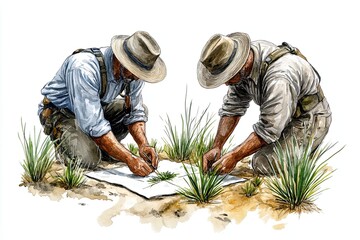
{"type": "Point", "coordinates": [153, 143]}
{"type": "Point", "coordinates": [249, 189]}
{"type": "Point", "coordinates": [298, 173]}
{"type": "Point", "coordinates": [39, 155]}
{"type": "Point", "coordinates": [202, 187]}
{"type": "Point", "coordinates": [73, 175]}
{"type": "Point", "coordinates": [201, 146]}
{"type": "Point", "coordinates": [180, 145]}
{"type": "Point", "coordinates": [133, 149]}
{"type": "Point", "coordinates": [162, 176]}
{"type": "Point", "coordinates": [257, 181]}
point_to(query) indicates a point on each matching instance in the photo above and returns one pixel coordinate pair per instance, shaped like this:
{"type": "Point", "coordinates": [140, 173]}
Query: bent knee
{"type": "Point", "coordinates": [263, 164]}
{"type": "Point", "coordinates": [80, 148]}
{"type": "Point", "coordinates": [88, 154]}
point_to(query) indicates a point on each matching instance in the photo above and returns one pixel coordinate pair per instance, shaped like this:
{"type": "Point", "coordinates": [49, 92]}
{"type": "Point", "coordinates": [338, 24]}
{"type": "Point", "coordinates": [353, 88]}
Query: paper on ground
{"type": "Point", "coordinates": [124, 177]}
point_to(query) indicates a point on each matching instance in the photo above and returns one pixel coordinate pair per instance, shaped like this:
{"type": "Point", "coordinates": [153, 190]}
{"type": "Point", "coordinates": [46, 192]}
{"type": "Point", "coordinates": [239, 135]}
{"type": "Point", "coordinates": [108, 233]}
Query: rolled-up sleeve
{"type": "Point", "coordinates": [277, 107]}
{"type": "Point", "coordinates": [137, 113]}
{"type": "Point", "coordinates": [84, 91]}
{"type": "Point", "coordinates": [235, 102]}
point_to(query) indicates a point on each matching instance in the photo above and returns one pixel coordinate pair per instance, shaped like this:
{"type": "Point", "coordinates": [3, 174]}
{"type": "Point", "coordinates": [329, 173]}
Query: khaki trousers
{"type": "Point", "coordinates": [302, 129]}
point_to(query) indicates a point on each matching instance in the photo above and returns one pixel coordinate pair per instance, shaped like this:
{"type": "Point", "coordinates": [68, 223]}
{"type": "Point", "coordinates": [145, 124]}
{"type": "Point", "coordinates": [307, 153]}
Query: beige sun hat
{"type": "Point", "coordinates": [139, 53]}
{"type": "Point", "coordinates": [221, 58]}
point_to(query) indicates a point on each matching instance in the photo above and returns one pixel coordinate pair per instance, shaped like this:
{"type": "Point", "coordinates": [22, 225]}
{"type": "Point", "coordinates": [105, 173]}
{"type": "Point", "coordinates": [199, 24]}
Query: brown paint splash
{"type": "Point", "coordinates": [230, 206]}
{"type": "Point", "coordinates": [279, 226]}
{"type": "Point", "coordinates": [105, 219]}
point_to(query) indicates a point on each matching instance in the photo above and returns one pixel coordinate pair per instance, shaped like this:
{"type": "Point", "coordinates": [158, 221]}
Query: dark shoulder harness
{"type": "Point", "coordinates": [100, 58]}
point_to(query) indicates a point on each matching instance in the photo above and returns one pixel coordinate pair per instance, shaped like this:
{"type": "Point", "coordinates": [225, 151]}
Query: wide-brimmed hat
{"type": "Point", "coordinates": [139, 53]}
{"type": "Point", "coordinates": [221, 58]}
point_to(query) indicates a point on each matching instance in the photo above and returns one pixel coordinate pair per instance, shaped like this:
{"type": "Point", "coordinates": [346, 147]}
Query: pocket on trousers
{"type": "Point", "coordinates": [322, 122]}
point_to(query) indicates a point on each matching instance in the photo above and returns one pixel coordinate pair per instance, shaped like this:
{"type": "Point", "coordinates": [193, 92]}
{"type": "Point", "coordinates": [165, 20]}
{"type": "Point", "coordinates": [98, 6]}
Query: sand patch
{"type": "Point", "coordinates": [231, 206]}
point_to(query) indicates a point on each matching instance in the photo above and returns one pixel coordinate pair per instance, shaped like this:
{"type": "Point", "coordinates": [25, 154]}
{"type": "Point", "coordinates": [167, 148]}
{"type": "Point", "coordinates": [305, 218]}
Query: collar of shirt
{"type": "Point", "coordinates": [255, 71]}
{"type": "Point", "coordinates": [108, 56]}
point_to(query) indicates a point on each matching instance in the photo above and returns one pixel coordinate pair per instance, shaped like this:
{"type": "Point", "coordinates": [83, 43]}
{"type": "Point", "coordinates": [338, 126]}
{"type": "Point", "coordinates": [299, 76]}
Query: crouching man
{"type": "Point", "coordinates": [95, 100]}
{"type": "Point", "coordinates": [277, 78]}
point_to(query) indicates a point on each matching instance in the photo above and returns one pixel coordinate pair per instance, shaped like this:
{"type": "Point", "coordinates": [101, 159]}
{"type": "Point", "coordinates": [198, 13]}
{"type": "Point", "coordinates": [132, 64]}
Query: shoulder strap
{"type": "Point", "coordinates": [100, 58]}
{"type": "Point", "coordinates": [283, 49]}
{"type": "Point", "coordinates": [127, 98]}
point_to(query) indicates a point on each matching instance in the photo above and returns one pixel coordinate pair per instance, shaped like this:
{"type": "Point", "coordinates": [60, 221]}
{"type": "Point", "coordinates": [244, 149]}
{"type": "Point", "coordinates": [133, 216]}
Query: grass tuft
{"type": "Point", "coordinates": [73, 175]}
{"type": "Point", "coordinates": [162, 176]}
{"type": "Point", "coordinates": [257, 181]}
{"type": "Point", "coordinates": [39, 155]}
{"type": "Point", "coordinates": [299, 173]}
{"type": "Point", "coordinates": [154, 143]}
{"type": "Point", "coordinates": [249, 189]}
{"type": "Point", "coordinates": [133, 149]}
{"type": "Point", "coordinates": [202, 187]}
{"type": "Point", "coordinates": [179, 146]}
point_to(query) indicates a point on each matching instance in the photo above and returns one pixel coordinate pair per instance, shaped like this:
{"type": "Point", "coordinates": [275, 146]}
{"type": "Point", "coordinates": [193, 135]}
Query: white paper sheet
{"type": "Point", "coordinates": [124, 177]}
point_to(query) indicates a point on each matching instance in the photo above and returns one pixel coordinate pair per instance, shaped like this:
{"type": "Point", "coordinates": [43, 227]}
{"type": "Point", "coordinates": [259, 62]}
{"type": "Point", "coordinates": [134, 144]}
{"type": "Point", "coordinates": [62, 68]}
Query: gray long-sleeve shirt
{"type": "Point", "coordinates": [77, 87]}
{"type": "Point", "coordinates": [286, 81]}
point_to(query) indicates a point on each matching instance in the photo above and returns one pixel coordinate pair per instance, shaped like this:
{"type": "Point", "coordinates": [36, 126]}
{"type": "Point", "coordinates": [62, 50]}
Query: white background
{"type": "Point", "coordinates": [36, 36]}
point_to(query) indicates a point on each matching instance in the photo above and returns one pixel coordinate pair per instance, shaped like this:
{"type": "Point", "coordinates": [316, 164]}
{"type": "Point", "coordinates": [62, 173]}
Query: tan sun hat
{"type": "Point", "coordinates": [139, 53]}
{"type": "Point", "coordinates": [221, 58]}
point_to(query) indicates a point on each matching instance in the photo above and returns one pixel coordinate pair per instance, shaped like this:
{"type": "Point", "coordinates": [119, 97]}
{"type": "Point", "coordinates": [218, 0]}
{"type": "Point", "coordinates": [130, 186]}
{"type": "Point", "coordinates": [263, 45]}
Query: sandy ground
{"type": "Point", "coordinates": [230, 206]}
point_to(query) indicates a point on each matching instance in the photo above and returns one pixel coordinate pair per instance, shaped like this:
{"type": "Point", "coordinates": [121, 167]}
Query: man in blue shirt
{"type": "Point", "coordinates": [90, 122]}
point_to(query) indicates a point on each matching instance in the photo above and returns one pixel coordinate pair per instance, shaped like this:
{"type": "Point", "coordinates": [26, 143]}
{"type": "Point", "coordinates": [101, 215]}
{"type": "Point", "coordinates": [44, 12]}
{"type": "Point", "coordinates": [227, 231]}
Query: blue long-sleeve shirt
{"type": "Point", "coordinates": [77, 87]}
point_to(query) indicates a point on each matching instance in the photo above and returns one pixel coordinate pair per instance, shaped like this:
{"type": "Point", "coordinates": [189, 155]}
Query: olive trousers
{"type": "Point", "coordinates": [72, 144]}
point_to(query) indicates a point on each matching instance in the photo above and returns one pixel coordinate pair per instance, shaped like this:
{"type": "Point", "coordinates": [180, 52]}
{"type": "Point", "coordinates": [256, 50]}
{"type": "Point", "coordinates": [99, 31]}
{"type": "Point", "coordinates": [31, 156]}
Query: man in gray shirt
{"type": "Point", "coordinates": [286, 89]}
{"type": "Point", "coordinates": [82, 108]}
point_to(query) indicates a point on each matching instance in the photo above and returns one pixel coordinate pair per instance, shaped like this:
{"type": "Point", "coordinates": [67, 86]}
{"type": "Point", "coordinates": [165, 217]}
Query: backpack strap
{"type": "Point", "coordinates": [306, 103]}
{"type": "Point", "coordinates": [283, 49]}
{"type": "Point", "coordinates": [100, 58]}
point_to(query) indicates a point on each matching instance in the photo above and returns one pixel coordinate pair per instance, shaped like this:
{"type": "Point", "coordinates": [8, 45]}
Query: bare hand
{"type": "Point", "coordinates": [209, 158]}
{"type": "Point", "coordinates": [139, 167]}
{"type": "Point", "coordinates": [149, 155]}
{"type": "Point", "coordinates": [225, 164]}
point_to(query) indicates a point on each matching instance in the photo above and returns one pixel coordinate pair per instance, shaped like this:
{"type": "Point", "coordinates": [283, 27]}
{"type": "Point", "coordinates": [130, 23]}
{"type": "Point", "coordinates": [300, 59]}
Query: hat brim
{"type": "Point", "coordinates": [156, 74]}
{"type": "Point", "coordinates": [208, 80]}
